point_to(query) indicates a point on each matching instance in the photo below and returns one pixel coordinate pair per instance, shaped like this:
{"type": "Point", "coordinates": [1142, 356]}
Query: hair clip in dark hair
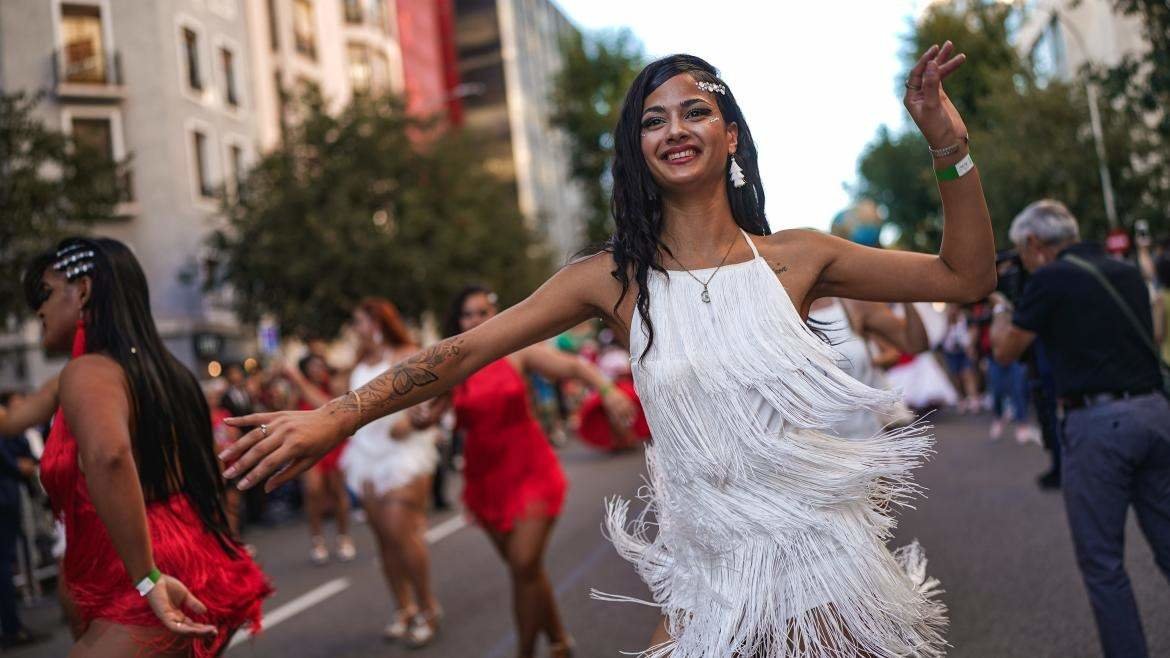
{"type": "Point", "coordinates": [712, 87]}
{"type": "Point", "coordinates": [74, 263]}
{"type": "Point", "coordinates": [69, 249]}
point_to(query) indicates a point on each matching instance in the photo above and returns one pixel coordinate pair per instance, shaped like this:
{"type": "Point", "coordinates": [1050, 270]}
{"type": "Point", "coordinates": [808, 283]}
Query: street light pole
{"type": "Point", "coordinates": [1095, 124]}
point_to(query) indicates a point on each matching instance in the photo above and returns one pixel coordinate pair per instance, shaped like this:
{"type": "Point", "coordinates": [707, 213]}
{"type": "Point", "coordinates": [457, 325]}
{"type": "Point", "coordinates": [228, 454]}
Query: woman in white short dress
{"type": "Point", "coordinates": [765, 533]}
{"type": "Point", "coordinates": [849, 325]}
{"type": "Point", "coordinates": [389, 463]}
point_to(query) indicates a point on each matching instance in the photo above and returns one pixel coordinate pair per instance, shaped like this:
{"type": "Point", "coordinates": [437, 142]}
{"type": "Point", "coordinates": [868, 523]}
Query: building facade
{"type": "Point", "coordinates": [165, 84]}
{"type": "Point", "coordinates": [193, 91]}
{"type": "Point", "coordinates": [1059, 36]}
{"type": "Point", "coordinates": [342, 47]}
{"type": "Point", "coordinates": [508, 55]}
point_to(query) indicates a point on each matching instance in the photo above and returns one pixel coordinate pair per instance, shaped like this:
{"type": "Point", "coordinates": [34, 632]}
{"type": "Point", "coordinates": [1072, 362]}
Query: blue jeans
{"type": "Point", "coordinates": [1009, 383]}
{"type": "Point", "coordinates": [1117, 454]}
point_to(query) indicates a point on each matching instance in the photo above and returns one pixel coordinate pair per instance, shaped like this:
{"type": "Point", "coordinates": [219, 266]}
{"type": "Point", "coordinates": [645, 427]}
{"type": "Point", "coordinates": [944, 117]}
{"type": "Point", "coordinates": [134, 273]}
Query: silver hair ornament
{"type": "Point", "coordinates": [712, 87]}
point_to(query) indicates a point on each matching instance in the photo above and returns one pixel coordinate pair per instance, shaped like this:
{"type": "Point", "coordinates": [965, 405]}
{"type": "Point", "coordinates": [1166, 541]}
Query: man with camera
{"type": "Point", "coordinates": [1092, 314]}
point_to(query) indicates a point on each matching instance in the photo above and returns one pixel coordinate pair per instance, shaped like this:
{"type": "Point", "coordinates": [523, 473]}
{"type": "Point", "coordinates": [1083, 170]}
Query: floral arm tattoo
{"type": "Point", "coordinates": [414, 380]}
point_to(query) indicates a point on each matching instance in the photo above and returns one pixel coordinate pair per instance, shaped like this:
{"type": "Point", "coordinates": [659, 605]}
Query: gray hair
{"type": "Point", "coordinates": [1048, 220]}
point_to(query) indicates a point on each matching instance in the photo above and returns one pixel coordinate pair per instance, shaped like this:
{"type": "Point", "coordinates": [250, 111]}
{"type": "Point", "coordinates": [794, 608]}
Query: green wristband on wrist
{"type": "Point", "coordinates": [146, 584]}
{"type": "Point", "coordinates": [606, 389]}
{"type": "Point", "coordinates": [955, 171]}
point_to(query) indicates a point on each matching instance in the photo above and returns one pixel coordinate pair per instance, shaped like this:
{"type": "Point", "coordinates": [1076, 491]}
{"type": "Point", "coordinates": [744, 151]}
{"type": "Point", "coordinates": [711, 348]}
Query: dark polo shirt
{"type": "Point", "coordinates": [1092, 346]}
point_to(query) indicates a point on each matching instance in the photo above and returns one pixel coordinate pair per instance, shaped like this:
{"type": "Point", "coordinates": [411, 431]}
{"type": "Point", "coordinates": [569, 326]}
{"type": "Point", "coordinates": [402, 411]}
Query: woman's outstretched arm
{"type": "Point", "coordinates": [554, 365]}
{"type": "Point", "coordinates": [907, 333]}
{"type": "Point", "coordinates": [36, 409]}
{"type": "Point", "coordinates": [287, 443]}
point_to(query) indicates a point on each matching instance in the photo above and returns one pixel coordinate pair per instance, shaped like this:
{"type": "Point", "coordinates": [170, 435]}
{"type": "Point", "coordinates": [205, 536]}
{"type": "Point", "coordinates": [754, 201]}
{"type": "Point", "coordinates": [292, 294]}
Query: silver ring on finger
{"type": "Point", "coordinates": [912, 86]}
{"type": "Point", "coordinates": [264, 429]}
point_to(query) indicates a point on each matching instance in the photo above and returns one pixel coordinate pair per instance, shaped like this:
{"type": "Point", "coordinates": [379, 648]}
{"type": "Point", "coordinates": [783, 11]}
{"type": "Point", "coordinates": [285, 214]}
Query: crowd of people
{"type": "Point", "coordinates": [770, 379]}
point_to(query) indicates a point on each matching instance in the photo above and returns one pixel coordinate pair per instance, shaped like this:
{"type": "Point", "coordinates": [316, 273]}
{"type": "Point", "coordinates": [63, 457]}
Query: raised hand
{"type": "Point", "coordinates": [927, 102]}
{"type": "Point", "coordinates": [168, 598]}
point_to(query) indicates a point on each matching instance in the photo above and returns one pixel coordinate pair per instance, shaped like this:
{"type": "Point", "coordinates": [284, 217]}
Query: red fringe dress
{"type": "Point", "coordinates": [97, 582]}
{"type": "Point", "coordinates": [510, 471]}
{"type": "Point", "coordinates": [594, 427]}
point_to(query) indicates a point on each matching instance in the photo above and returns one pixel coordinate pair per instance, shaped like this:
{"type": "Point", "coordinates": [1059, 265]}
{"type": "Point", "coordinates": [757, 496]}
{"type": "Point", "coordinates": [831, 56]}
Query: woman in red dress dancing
{"type": "Point", "coordinates": [513, 484]}
{"type": "Point", "coordinates": [324, 483]}
{"type": "Point", "coordinates": [150, 566]}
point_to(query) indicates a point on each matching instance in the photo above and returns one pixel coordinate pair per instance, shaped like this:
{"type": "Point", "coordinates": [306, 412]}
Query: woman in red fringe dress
{"type": "Point", "coordinates": [150, 566]}
{"type": "Point", "coordinates": [513, 484]}
{"type": "Point", "coordinates": [324, 484]}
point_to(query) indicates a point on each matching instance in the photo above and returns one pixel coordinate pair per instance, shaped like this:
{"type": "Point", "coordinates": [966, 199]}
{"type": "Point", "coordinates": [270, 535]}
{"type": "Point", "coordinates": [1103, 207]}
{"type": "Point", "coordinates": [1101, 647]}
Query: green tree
{"type": "Point", "coordinates": [49, 188]}
{"type": "Point", "coordinates": [357, 204]}
{"type": "Point", "coordinates": [1137, 91]}
{"type": "Point", "coordinates": [587, 99]}
{"type": "Point", "coordinates": [1029, 137]}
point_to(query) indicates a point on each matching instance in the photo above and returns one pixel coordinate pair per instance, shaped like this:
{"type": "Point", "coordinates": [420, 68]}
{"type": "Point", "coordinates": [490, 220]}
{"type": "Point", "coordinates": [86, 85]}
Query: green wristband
{"type": "Point", "coordinates": [955, 171]}
{"type": "Point", "coordinates": [606, 389]}
{"type": "Point", "coordinates": [146, 584]}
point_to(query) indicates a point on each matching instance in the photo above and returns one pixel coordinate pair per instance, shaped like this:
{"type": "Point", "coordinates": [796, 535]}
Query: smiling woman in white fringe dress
{"type": "Point", "coordinates": [764, 533]}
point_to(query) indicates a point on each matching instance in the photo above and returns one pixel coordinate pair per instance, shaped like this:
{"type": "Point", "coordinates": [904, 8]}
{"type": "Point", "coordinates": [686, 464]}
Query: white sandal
{"type": "Point", "coordinates": [319, 554]}
{"type": "Point", "coordinates": [400, 627]}
{"type": "Point", "coordinates": [424, 628]}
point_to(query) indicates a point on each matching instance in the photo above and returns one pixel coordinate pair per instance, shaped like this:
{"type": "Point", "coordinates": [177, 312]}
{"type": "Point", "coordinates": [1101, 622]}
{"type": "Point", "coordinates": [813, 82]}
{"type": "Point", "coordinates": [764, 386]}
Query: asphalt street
{"type": "Point", "coordinates": [999, 545]}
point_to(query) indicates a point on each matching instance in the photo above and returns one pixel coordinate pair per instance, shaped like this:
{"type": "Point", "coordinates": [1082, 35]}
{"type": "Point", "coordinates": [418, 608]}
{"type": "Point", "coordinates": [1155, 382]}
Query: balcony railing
{"type": "Point", "coordinates": [92, 75]}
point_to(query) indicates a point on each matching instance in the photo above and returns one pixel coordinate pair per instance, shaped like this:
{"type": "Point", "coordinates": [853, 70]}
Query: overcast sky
{"type": "Point", "coordinates": [815, 80]}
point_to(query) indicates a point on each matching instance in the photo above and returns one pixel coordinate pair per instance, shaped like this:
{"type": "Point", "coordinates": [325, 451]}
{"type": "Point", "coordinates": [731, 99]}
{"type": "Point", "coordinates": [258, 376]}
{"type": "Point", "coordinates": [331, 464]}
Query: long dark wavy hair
{"type": "Point", "coordinates": [637, 201]}
{"type": "Point", "coordinates": [451, 324]}
{"type": "Point", "coordinates": [170, 423]}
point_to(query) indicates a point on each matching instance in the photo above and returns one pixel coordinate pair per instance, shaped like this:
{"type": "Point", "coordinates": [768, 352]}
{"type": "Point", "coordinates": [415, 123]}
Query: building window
{"type": "Point", "coordinates": [202, 173]}
{"type": "Point", "coordinates": [84, 57]}
{"type": "Point", "coordinates": [281, 105]}
{"type": "Point", "coordinates": [236, 166]}
{"type": "Point", "coordinates": [191, 57]}
{"type": "Point", "coordinates": [1048, 56]}
{"type": "Point", "coordinates": [360, 68]}
{"type": "Point", "coordinates": [95, 136]}
{"type": "Point", "coordinates": [353, 11]}
{"type": "Point", "coordinates": [381, 71]}
{"type": "Point", "coordinates": [380, 16]}
{"type": "Point", "coordinates": [273, 27]}
{"type": "Point", "coordinates": [227, 61]}
{"type": "Point", "coordinates": [303, 33]}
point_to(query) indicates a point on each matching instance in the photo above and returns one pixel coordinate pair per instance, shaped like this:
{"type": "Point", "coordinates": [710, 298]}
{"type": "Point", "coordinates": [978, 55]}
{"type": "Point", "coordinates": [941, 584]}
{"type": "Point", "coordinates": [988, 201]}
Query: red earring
{"type": "Point", "coordinates": [79, 338]}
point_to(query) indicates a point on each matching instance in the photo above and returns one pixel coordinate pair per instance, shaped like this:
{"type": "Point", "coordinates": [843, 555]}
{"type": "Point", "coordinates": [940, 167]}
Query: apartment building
{"type": "Point", "coordinates": [508, 54]}
{"type": "Point", "coordinates": [1060, 36]}
{"type": "Point", "coordinates": [165, 83]}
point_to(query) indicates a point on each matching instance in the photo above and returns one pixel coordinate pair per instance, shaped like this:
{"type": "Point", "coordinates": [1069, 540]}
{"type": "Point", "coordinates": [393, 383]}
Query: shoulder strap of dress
{"type": "Point", "coordinates": [755, 252]}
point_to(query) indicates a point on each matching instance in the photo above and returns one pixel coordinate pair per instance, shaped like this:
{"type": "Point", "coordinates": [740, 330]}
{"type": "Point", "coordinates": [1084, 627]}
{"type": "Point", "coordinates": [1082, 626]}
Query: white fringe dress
{"type": "Point", "coordinates": [763, 534]}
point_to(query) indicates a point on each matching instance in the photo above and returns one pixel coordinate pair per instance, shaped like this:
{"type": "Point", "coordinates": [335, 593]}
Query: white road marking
{"type": "Point", "coordinates": [446, 528]}
{"type": "Point", "coordinates": [297, 606]}
{"type": "Point", "coordinates": [334, 587]}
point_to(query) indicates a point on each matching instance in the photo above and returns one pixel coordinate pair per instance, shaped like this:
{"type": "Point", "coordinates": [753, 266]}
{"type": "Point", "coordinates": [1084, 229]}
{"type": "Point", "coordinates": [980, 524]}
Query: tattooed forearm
{"type": "Point", "coordinates": [416, 379]}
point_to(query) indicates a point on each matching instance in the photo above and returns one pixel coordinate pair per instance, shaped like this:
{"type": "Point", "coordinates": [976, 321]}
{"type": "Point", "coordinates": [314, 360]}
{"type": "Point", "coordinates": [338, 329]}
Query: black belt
{"type": "Point", "coordinates": [1070, 402]}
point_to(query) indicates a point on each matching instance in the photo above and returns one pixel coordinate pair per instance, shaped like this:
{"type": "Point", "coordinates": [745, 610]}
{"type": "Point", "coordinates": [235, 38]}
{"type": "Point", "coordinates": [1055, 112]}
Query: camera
{"type": "Point", "coordinates": [1012, 275]}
